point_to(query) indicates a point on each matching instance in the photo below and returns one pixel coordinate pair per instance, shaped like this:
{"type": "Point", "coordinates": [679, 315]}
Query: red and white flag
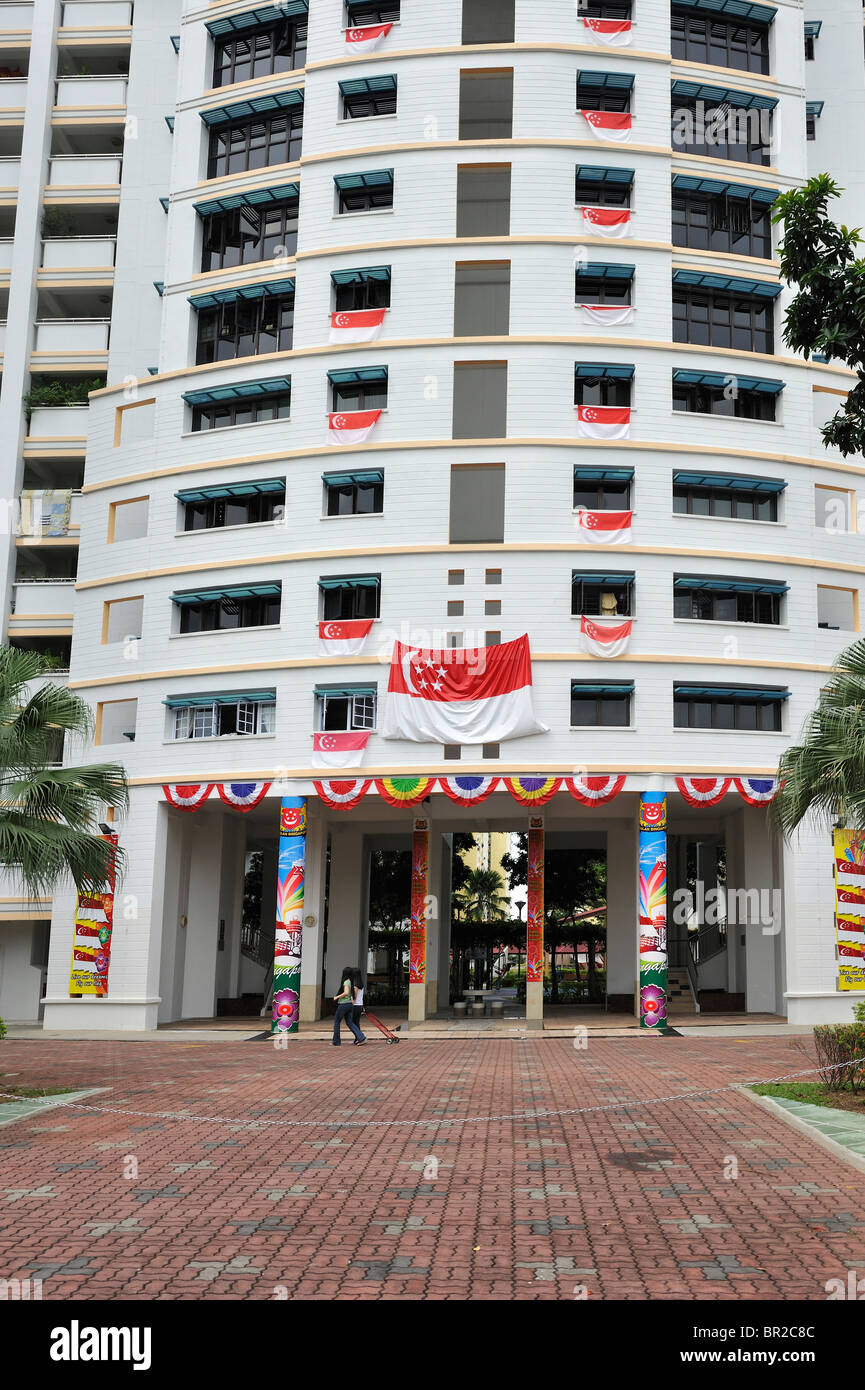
{"type": "Point", "coordinates": [461, 694]}
{"type": "Point", "coordinates": [365, 40]}
{"type": "Point", "coordinates": [614, 32]}
{"type": "Point", "coordinates": [338, 750]}
{"type": "Point", "coordinates": [609, 125]}
{"type": "Point", "coordinates": [604, 421]}
{"type": "Point", "coordinates": [605, 636]}
{"type": "Point", "coordinates": [608, 315]}
{"type": "Point", "coordinates": [850, 941]}
{"type": "Point", "coordinates": [607, 222]}
{"type": "Point", "coordinates": [344, 638]}
{"type": "Point", "coordinates": [352, 426]}
{"type": "Point", "coordinates": [356, 326]}
{"type": "Point", "coordinates": [605, 528]}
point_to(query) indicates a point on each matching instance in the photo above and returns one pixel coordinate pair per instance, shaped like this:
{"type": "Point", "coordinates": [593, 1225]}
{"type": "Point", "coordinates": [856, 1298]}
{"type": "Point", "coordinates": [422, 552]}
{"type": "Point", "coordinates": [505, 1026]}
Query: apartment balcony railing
{"type": "Point", "coordinates": [42, 598]}
{"type": "Point", "coordinates": [74, 253]}
{"type": "Point", "coordinates": [72, 335]}
{"type": "Point", "coordinates": [77, 14]}
{"type": "Point", "coordinates": [42, 516]}
{"type": "Point", "coordinates": [13, 91]}
{"type": "Point", "coordinates": [15, 18]}
{"type": "Point", "coordinates": [6, 247]}
{"type": "Point", "coordinates": [82, 170]}
{"type": "Point", "coordinates": [10, 170]}
{"type": "Point", "coordinates": [58, 422]}
{"type": "Point", "coordinates": [83, 93]}
{"type": "Point", "coordinates": [3, 336]}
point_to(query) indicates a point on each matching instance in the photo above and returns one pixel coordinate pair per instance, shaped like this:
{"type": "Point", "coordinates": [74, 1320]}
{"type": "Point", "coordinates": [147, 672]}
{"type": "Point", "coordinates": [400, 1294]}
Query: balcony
{"type": "Point", "coordinates": [91, 93]}
{"type": "Point", "coordinates": [10, 169]}
{"type": "Point", "coordinates": [81, 173]}
{"type": "Point", "coordinates": [13, 92]}
{"type": "Point", "coordinates": [72, 335]}
{"type": "Point", "coordinates": [74, 253]}
{"type": "Point", "coordinates": [42, 606]}
{"type": "Point", "coordinates": [6, 247]}
{"type": "Point", "coordinates": [58, 422]}
{"type": "Point", "coordinates": [16, 19]}
{"type": "Point", "coordinates": [80, 15]}
{"type": "Point", "coordinates": [41, 514]}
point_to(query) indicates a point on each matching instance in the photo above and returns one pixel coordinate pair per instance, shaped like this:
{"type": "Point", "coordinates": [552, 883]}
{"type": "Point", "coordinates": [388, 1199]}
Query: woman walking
{"type": "Point", "coordinates": [345, 1008]}
{"type": "Point", "coordinates": [357, 1009]}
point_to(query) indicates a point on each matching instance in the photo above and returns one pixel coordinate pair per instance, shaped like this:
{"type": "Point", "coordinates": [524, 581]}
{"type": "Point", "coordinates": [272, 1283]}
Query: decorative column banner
{"type": "Point", "coordinates": [287, 948]}
{"type": "Point", "coordinates": [535, 912]}
{"type": "Point", "coordinates": [653, 910]}
{"type": "Point", "coordinates": [849, 850]}
{"type": "Point", "coordinates": [419, 900]}
{"type": "Point", "coordinates": [91, 947]}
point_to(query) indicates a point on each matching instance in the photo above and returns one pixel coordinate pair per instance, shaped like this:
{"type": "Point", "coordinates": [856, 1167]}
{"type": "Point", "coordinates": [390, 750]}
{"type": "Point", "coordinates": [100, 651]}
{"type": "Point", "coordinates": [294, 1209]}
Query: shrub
{"type": "Point", "coordinates": [837, 1046]}
{"type": "Point", "coordinates": [2, 1029]}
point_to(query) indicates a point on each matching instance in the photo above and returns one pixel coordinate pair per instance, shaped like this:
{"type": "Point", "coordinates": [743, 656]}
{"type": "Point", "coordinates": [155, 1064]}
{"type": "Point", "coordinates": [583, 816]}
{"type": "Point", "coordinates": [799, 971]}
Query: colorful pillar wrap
{"type": "Point", "coordinates": [535, 912]}
{"type": "Point", "coordinates": [419, 900]}
{"type": "Point", "coordinates": [91, 947]}
{"type": "Point", "coordinates": [653, 911]}
{"type": "Point", "coordinates": [849, 854]}
{"type": "Point", "coordinates": [287, 948]}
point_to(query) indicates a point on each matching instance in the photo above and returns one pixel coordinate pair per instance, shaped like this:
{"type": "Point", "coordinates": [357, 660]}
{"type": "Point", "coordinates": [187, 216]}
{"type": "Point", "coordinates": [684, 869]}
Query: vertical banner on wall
{"type": "Point", "coordinates": [91, 946]}
{"type": "Point", "coordinates": [289, 915]}
{"type": "Point", "coordinates": [653, 910]}
{"type": "Point", "coordinates": [849, 853]}
{"type": "Point", "coordinates": [419, 900]}
{"type": "Point", "coordinates": [535, 906]}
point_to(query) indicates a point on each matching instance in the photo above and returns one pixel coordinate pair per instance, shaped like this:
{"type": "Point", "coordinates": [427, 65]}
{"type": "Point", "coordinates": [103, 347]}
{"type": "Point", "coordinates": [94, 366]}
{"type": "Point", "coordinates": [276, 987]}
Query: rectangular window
{"type": "Point", "coordinates": [744, 398]}
{"type": "Point", "coordinates": [605, 9]}
{"type": "Point", "coordinates": [368, 96]}
{"type": "Point", "coordinates": [602, 289]}
{"type": "Point", "coordinates": [486, 104]}
{"type": "Point", "coordinates": [482, 299]}
{"type": "Point", "coordinates": [115, 722]}
{"type": "Point", "coordinates": [122, 619]}
{"type": "Point", "coordinates": [224, 716]}
{"type": "Point", "coordinates": [477, 509]}
{"type": "Point", "coordinates": [363, 13]}
{"type": "Point", "coordinates": [492, 576]}
{"type": "Point", "coordinates": [492, 639]}
{"type": "Point", "coordinates": [128, 520]}
{"type": "Point", "coordinates": [456, 608]}
{"type": "Point", "coordinates": [274, 138]}
{"type": "Point", "coordinates": [601, 91]}
{"type": "Point", "coordinates": [483, 200]}
{"type": "Point", "coordinates": [721, 132]}
{"type": "Point", "coordinates": [602, 489]}
{"type": "Point", "coordinates": [749, 503]}
{"type": "Point", "coordinates": [837, 609]}
{"type": "Point", "coordinates": [230, 611]}
{"type": "Point", "coordinates": [711, 318]}
{"type": "Point", "coordinates": [456, 576]}
{"type": "Point", "coordinates": [742, 226]}
{"type": "Point", "coordinates": [365, 389]}
{"type": "Point", "coordinates": [345, 709]}
{"type": "Point", "coordinates": [492, 608]}
{"type": "Point", "coordinates": [727, 601]}
{"type": "Point", "coordinates": [249, 410]}
{"type": "Point", "coordinates": [600, 706]}
{"type": "Point", "coordinates": [706, 708]}
{"type": "Point", "coordinates": [240, 57]}
{"type": "Point", "coordinates": [250, 234]}
{"type": "Point", "coordinates": [245, 328]}
{"type": "Point", "coordinates": [371, 192]}
{"type": "Point", "coordinates": [367, 288]}
{"type": "Point", "coordinates": [354, 494]}
{"type": "Point", "coordinates": [719, 41]}
{"type": "Point", "coordinates": [350, 596]}
{"type": "Point", "coordinates": [241, 504]}
{"type": "Point", "coordinates": [480, 400]}
{"type": "Point", "coordinates": [595, 188]}
{"type": "Point", "coordinates": [490, 750]}
{"type": "Point", "coordinates": [834, 508]}
{"type": "Point", "coordinates": [488, 21]}
{"type": "Point", "coordinates": [595, 594]}
{"type": "Point", "coordinates": [602, 389]}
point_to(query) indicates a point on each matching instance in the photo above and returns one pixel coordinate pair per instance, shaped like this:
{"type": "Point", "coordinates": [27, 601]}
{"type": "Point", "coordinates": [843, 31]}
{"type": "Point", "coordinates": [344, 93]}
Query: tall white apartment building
{"type": "Point", "coordinates": [566, 222]}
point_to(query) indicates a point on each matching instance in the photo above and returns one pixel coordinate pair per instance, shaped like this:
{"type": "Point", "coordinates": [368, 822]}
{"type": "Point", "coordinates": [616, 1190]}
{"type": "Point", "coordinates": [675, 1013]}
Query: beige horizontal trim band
{"type": "Point", "coordinates": [705, 161]}
{"type": "Point", "coordinates": [43, 617]}
{"type": "Point", "coordinates": [73, 37]}
{"type": "Point", "coordinates": [491, 768]}
{"type": "Point", "coordinates": [41, 631]}
{"type": "Point", "coordinates": [50, 541]}
{"type": "Point", "coordinates": [74, 282]}
{"type": "Point", "coordinates": [234, 183]}
{"type": "Point", "coordinates": [36, 914]}
{"type": "Point", "coordinates": [56, 438]}
{"type": "Point", "coordinates": [528, 142]}
{"type": "Point", "coordinates": [253, 85]}
{"type": "Point", "coordinates": [39, 453]}
{"type": "Point", "coordinates": [87, 120]}
{"type": "Point", "coordinates": [745, 81]}
{"type": "Point", "coordinates": [209, 276]}
{"type": "Point", "coordinates": [591, 50]}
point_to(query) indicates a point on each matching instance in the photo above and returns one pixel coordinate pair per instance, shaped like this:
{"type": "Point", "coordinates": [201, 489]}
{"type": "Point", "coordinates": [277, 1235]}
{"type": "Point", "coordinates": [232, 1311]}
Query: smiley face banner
{"type": "Point", "coordinates": [653, 911]}
{"type": "Point", "coordinates": [289, 915]}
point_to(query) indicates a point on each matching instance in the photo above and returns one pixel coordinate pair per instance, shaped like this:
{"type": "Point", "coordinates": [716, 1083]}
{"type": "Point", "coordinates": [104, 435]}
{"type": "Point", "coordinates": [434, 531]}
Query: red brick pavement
{"type": "Point", "coordinates": [629, 1203]}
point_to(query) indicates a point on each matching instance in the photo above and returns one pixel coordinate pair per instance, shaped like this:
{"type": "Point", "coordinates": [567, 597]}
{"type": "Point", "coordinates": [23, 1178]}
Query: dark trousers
{"type": "Point", "coordinates": [345, 1010]}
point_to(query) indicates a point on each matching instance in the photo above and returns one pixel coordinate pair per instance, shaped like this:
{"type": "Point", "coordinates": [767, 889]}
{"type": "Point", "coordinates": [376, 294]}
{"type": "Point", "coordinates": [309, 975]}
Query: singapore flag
{"type": "Point", "coordinates": [604, 421]}
{"type": "Point", "coordinates": [607, 222]}
{"type": "Point", "coordinates": [604, 528]}
{"type": "Point", "coordinates": [605, 637]}
{"type": "Point", "coordinates": [352, 426]}
{"type": "Point", "coordinates": [609, 125]}
{"type": "Point", "coordinates": [605, 315]}
{"type": "Point", "coordinates": [357, 326]}
{"type": "Point", "coordinates": [338, 749]}
{"type": "Point", "coordinates": [615, 32]}
{"type": "Point", "coordinates": [344, 638]}
{"type": "Point", "coordinates": [365, 40]}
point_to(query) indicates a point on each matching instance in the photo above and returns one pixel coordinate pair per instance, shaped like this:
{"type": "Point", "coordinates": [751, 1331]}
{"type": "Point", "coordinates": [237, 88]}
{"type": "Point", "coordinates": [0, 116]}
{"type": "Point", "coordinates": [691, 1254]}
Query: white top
{"type": "Point", "coordinates": [358, 997]}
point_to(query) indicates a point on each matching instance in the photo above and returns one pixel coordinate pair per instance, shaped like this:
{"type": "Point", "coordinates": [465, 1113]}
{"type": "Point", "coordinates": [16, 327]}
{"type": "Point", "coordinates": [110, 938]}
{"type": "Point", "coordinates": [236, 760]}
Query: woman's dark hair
{"type": "Point", "coordinates": [357, 979]}
{"type": "Point", "coordinates": [348, 973]}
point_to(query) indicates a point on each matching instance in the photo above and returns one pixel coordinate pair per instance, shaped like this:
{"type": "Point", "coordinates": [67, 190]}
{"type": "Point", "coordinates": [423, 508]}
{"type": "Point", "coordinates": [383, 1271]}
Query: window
{"type": "Point", "coordinates": [451, 752]}
{"type": "Point", "coordinates": [740, 130]}
{"type": "Point", "coordinates": [742, 226]}
{"type": "Point", "coordinates": [360, 13]}
{"type": "Point", "coordinates": [490, 750]}
{"type": "Point", "coordinates": [245, 328]}
{"type": "Point", "coordinates": [250, 234]}
{"type": "Point", "coordinates": [482, 297]}
{"type": "Point", "coordinates": [456, 576]}
{"type": "Point", "coordinates": [353, 708]}
{"type": "Point", "coordinates": [603, 489]}
{"type": "Point", "coordinates": [354, 494]}
{"type": "Point", "coordinates": [127, 520]}
{"type": "Point", "coordinates": [596, 187]}
{"type": "Point", "coordinates": [595, 283]}
{"type": "Point", "coordinates": [368, 96]}
{"type": "Point", "coordinates": [216, 610]}
{"type": "Point", "coordinates": [813, 112]}
{"type": "Point", "coordinates": [492, 576]}
{"type": "Point", "coordinates": [274, 138]}
{"type": "Point", "coordinates": [245, 55]}
{"type": "Point", "coordinates": [350, 596]}
{"type": "Point", "coordinates": [480, 400]}
{"type": "Point", "coordinates": [477, 510]}
{"type": "Point", "coordinates": [595, 594]}
{"type": "Point", "coordinates": [604, 91]}
{"type": "Point", "coordinates": [710, 394]}
{"type": "Point", "coordinates": [368, 288]}
{"type": "Point", "coordinates": [837, 609]}
{"type": "Point", "coordinates": [486, 104]}
{"type": "Point", "coordinates": [598, 383]}
{"type": "Point", "coordinates": [728, 707]}
{"type": "Point", "coordinates": [812, 33]}
{"type": "Point", "coordinates": [834, 508]}
{"type": "Point", "coordinates": [203, 717]}
{"type": "Point", "coordinates": [488, 21]}
{"type": "Point", "coordinates": [122, 619]}
{"type": "Point", "coordinates": [236, 504]}
{"type": "Point", "coordinates": [456, 608]}
{"type": "Point", "coordinates": [244, 410]}
{"type": "Point", "coordinates": [600, 706]}
{"type": "Point", "coordinates": [115, 721]}
{"type": "Point", "coordinates": [605, 9]}
{"type": "Point", "coordinates": [364, 389]}
{"type": "Point", "coordinates": [717, 599]}
{"type": "Point", "coordinates": [809, 47]}
{"type": "Point", "coordinates": [483, 200]}
{"type": "Point", "coordinates": [712, 318]}
{"type": "Point", "coordinates": [721, 42]}
{"type": "Point", "coordinates": [492, 608]}
{"type": "Point", "coordinates": [737, 499]}
{"type": "Point", "coordinates": [372, 192]}
{"type": "Point", "coordinates": [492, 639]}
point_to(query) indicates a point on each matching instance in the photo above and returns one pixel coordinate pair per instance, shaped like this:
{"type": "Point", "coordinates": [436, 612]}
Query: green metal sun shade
{"type": "Point", "coordinates": [605, 81]}
{"type": "Point", "coordinates": [594, 173]}
{"type": "Point", "coordinates": [253, 197]}
{"type": "Point", "coordinates": [374, 178]}
{"type": "Point", "coordinates": [613, 371]}
{"type": "Point", "coordinates": [812, 28]}
{"type": "Point", "coordinates": [744, 383]}
{"type": "Point", "coordinates": [729, 481]}
{"type": "Point", "coordinates": [357, 277]}
{"type": "Point", "coordinates": [242, 391]}
{"type": "Point", "coordinates": [814, 108]}
{"type": "Point", "coordinates": [345, 692]}
{"type": "Point", "coordinates": [257, 18]}
{"type": "Point", "coordinates": [723, 96]}
{"type": "Point", "coordinates": [360, 581]}
{"type": "Point", "coordinates": [601, 270]}
{"type": "Point", "coordinates": [624, 688]}
{"type": "Point", "coordinates": [368, 86]}
{"type": "Point", "coordinates": [736, 9]}
{"type": "Point", "coordinates": [229, 591]}
{"type": "Point", "coordinates": [361, 479]}
{"type": "Point", "coordinates": [253, 106]}
{"type": "Point", "coordinates": [231, 697]}
{"type": "Point", "coordinates": [732, 284]}
{"type": "Point", "coordinates": [258, 291]}
{"type": "Point", "coordinates": [600, 577]}
{"type": "Point", "coordinates": [357, 376]}
{"type": "Point", "coordinates": [603, 475]}
{"type": "Point", "coordinates": [223, 493]}
{"type": "Point", "coordinates": [693, 183]}
{"type": "Point", "coordinates": [727, 692]}
{"type": "Point", "coordinates": [717, 584]}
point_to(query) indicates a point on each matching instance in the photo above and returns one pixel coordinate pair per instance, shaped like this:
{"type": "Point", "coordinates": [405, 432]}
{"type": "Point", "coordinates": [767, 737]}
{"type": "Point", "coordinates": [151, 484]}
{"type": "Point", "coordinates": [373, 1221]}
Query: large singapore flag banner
{"type": "Point", "coordinates": [461, 694]}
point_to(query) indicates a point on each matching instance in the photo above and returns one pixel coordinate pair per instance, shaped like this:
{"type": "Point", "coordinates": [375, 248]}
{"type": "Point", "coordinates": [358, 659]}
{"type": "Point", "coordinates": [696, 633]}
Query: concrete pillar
{"type": "Point", "coordinates": [347, 879]}
{"type": "Point", "coordinates": [535, 925]}
{"type": "Point", "coordinates": [444, 920]}
{"type": "Point", "coordinates": [762, 914]}
{"type": "Point", "coordinates": [206, 835]}
{"type": "Point", "coordinates": [622, 948]}
{"type": "Point", "coordinates": [313, 922]}
{"type": "Point", "coordinates": [230, 905]}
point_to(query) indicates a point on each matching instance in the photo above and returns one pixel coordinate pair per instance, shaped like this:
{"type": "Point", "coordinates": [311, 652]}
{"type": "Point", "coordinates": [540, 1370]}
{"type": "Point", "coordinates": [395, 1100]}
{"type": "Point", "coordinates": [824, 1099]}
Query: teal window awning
{"type": "Point", "coordinates": [729, 481]}
{"type": "Point", "coordinates": [587, 688]}
{"type": "Point", "coordinates": [814, 108]}
{"type": "Point", "coordinates": [253, 106]}
{"type": "Point", "coordinates": [230, 697]}
{"type": "Point", "coordinates": [614, 371]}
{"type": "Point", "coordinates": [344, 692]}
{"type": "Point", "coordinates": [258, 291]}
{"type": "Point", "coordinates": [603, 475]}
{"type": "Point", "coordinates": [600, 577]}
{"type": "Point", "coordinates": [812, 28]}
{"type": "Point", "coordinates": [717, 584]}
{"type": "Point", "coordinates": [363, 273]}
{"type": "Point", "coordinates": [257, 18]}
{"type": "Point", "coordinates": [717, 188]}
{"type": "Point", "coordinates": [253, 197]}
{"type": "Point", "coordinates": [600, 270]}
{"type": "Point", "coordinates": [357, 376]}
{"type": "Point", "coordinates": [368, 86]}
{"type": "Point", "coordinates": [374, 178]}
{"type": "Point", "coordinates": [731, 283]}
{"type": "Point", "coordinates": [723, 96]}
{"type": "Point", "coordinates": [744, 383]}
{"type": "Point", "coordinates": [728, 692]}
{"type": "Point", "coordinates": [367, 479]}
{"type": "Point", "coordinates": [243, 390]}
{"type": "Point", "coordinates": [175, 42]}
{"type": "Point", "coordinates": [225, 491]}
{"type": "Point", "coordinates": [605, 81]}
{"type": "Point", "coordinates": [594, 173]}
{"type": "Point", "coordinates": [228, 591]}
{"type": "Point", "coordinates": [359, 581]}
{"type": "Point", "coordinates": [736, 9]}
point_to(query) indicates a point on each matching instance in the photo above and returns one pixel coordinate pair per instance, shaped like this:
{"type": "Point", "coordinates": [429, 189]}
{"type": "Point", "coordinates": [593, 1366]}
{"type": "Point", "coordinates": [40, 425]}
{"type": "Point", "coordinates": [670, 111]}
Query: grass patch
{"type": "Point", "coordinates": [12, 1093]}
{"type": "Point", "coordinates": [813, 1093]}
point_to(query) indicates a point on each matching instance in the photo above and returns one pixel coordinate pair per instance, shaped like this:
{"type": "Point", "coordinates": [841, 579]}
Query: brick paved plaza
{"type": "Point", "coordinates": [631, 1203]}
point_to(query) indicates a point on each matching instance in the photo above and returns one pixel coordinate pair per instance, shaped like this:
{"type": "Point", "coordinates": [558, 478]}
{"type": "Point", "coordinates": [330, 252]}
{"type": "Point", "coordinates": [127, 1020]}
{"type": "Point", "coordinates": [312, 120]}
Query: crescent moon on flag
{"type": "Point", "coordinates": [328, 742]}
{"type": "Point", "coordinates": [339, 422]}
{"type": "Point", "coordinates": [342, 320]}
{"type": "Point", "coordinates": [590, 414]}
{"type": "Point", "coordinates": [406, 671]}
{"type": "Point", "coordinates": [355, 34]}
{"type": "Point", "coordinates": [331, 630]}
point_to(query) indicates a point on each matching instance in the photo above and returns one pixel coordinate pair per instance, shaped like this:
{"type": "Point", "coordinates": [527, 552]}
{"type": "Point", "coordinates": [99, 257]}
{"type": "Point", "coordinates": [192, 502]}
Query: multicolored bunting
{"type": "Point", "coordinates": [703, 791]}
{"type": "Point", "coordinates": [653, 910]}
{"type": "Point", "coordinates": [404, 791]}
{"type": "Point", "coordinates": [91, 945]}
{"type": "Point", "coordinates": [535, 910]}
{"type": "Point", "coordinates": [849, 872]}
{"type": "Point", "coordinates": [419, 901]}
{"type": "Point", "coordinates": [288, 947]}
{"type": "Point", "coordinates": [594, 791]}
{"type": "Point", "coordinates": [757, 791]}
{"type": "Point", "coordinates": [532, 791]}
{"type": "Point", "coordinates": [187, 797]}
{"type": "Point", "coordinates": [468, 791]}
{"type": "Point", "coordinates": [343, 795]}
{"type": "Point", "coordinates": [243, 795]}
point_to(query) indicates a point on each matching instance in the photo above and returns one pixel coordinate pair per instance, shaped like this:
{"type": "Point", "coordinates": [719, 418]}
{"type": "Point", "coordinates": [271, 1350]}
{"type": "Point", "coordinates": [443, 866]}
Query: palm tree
{"type": "Point", "coordinates": [47, 812]}
{"type": "Point", "coordinates": [482, 895]}
{"type": "Point", "coordinates": [825, 772]}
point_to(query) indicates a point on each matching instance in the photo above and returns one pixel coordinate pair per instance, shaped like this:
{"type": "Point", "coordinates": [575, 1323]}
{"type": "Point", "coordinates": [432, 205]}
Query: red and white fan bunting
{"type": "Point", "coordinates": [604, 421]}
{"type": "Point", "coordinates": [703, 791]}
{"type": "Point", "coordinates": [607, 315]}
{"type": "Point", "coordinates": [187, 796]}
{"type": "Point", "coordinates": [343, 795]}
{"type": "Point", "coordinates": [344, 638]}
{"type": "Point", "coordinates": [607, 221]}
{"type": "Point", "coordinates": [595, 791]}
{"type": "Point", "coordinates": [359, 41]}
{"type": "Point", "coordinates": [616, 33]}
{"type": "Point", "coordinates": [339, 749]}
{"type": "Point", "coordinates": [757, 791]}
{"type": "Point", "coordinates": [351, 426]}
{"type": "Point", "coordinates": [243, 795]}
{"type": "Point", "coordinates": [609, 125]}
{"type": "Point", "coordinates": [356, 326]}
{"type": "Point", "coordinates": [604, 528]}
{"type": "Point", "coordinates": [605, 637]}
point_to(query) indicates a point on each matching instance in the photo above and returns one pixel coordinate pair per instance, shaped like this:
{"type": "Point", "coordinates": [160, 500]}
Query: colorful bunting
{"type": "Point", "coordinates": [468, 791]}
{"type": "Point", "coordinates": [757, 791]}
{"type": "Point", "coordinates": [187, 797]}
{"type": "Point", "coordinates": [594, 791]}
{"type": "Point", "coordinates": [343, 795]}
{"type": "Point", "coordinates": [404, 791]}
{"type": "Point", "coordinates": [533, 791]}
{"type": "Point", "coordinates": [703, 791]}
{"type": "Point", "coordinates": [243, 795]}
